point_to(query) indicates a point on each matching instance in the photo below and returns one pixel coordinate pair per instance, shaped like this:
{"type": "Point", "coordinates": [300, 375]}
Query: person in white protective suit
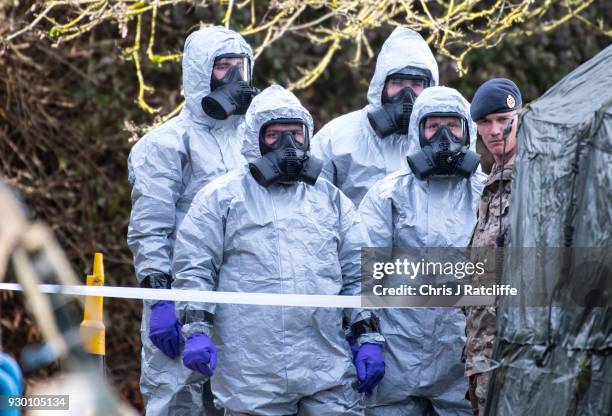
{"type": "Point", "coordinates": [430, 204]}
{"type": "Point", "coordinates": [166, 168]}
{"type": "Point", "coordinates": [362, 147]}
{"type": "Point", "coordinates": [275, 227]}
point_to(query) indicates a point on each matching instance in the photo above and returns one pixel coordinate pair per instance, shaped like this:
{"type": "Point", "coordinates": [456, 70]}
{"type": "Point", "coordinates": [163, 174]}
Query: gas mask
{"type": "Point", "coordinates": [231, 94]}
{"type": "Point", "coordinates": [394, 114]}
{"type": "Point", "coordinates": [286, 160]}
{"type": "Point", "coordinates": [444, 153]}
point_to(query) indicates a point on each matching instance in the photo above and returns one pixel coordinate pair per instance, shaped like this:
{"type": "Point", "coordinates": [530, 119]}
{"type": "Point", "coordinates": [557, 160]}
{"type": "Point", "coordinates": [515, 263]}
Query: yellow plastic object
{"type": "Point", "coordinates": [93, 331]}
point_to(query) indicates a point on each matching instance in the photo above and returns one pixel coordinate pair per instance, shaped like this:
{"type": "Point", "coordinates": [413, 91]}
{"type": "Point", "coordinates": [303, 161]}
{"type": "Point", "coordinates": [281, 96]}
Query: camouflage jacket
{"type": "Point", "coordinates": [480, 320]}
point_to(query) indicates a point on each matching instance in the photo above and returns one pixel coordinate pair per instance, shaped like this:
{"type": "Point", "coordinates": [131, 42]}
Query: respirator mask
{"type": "Point", "coordinates": [233, 93]}
{"type": "Point", "coordinates": [444, 139]}
{"type": "Point", "coordinates": [285, 156]}
{"type": "Point", "coordinates": [393, 116]}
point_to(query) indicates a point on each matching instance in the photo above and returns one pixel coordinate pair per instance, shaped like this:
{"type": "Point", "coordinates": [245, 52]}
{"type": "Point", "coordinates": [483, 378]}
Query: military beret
{"type": "Point", "coordinates": [497, 95]}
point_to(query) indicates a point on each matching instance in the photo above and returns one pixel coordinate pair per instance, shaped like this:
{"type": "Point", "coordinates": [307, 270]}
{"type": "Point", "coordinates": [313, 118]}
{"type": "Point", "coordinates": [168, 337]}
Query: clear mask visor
{"type": "Point", "coordinates": [455, 124]}
{"type": "Point", "coordinates": [224, 62]}
{"type": "Point", "coordinates": [273, 132]}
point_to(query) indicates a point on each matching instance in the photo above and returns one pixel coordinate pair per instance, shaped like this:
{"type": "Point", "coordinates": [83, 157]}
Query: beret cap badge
{"type": "Point", "coordinates": [510, 101]}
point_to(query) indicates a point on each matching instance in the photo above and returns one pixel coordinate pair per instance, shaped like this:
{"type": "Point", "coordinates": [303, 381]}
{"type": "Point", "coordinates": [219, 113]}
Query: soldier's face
{"type": "Point", "coordinates": [491, 128]}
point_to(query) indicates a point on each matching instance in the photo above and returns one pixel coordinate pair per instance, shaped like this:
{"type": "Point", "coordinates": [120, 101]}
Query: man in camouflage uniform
{"type": "Point", "coordinates": [495, 105]}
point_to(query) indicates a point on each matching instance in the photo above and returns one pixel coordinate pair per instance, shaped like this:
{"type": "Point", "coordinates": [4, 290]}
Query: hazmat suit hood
{"type": "Point", "coordinates": [403, 48]}
{"type": "Point", "coordinates": [439, 100]}
{"type": "Point", "coordinates": [199, 53]}
{"type": "Point", "coordinates": [274, 102]}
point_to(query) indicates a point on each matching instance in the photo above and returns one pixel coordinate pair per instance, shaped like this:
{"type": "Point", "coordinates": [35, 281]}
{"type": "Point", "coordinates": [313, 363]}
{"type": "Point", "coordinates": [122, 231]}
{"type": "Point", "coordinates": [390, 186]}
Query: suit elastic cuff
{"type": "Point", "coordinates": [196, 328]}
{"type": "Point", "coordinates": [370, 338]}
{"type": "Point", "coordinates": [157, 281]}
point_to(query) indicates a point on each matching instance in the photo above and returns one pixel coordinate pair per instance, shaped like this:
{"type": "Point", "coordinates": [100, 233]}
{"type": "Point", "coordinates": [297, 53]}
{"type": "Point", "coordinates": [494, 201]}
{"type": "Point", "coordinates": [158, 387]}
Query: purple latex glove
{"type": "Point", "coordinates": [165, 329]}
{"type": "Point", "coordinates": [200, 354]}
{"type": "Point", "coordinates": [370, 363]}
